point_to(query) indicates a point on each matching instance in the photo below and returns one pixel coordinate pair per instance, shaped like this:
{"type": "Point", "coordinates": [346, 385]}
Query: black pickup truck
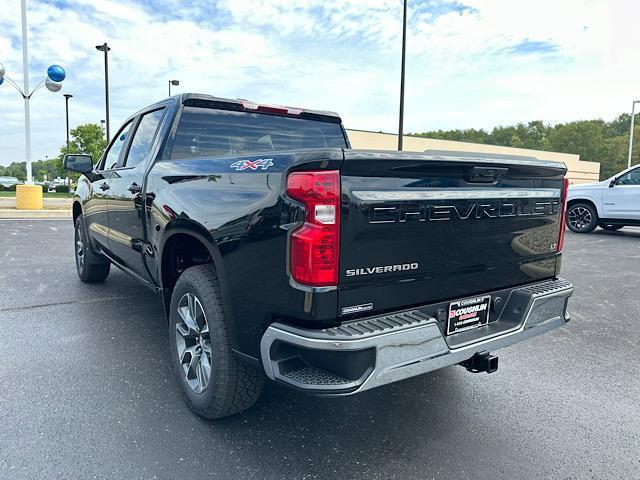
{"type": "Point", "coordinates": [278, 251]}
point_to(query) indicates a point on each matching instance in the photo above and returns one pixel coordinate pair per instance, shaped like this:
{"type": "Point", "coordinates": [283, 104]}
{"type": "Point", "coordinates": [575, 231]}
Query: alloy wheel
{"type": "Point", "coordinates": [80, 257]}
{"type": "Point", "coordinates": [193, 343]}
{"type": "Point", "coordinates": [579, 218]}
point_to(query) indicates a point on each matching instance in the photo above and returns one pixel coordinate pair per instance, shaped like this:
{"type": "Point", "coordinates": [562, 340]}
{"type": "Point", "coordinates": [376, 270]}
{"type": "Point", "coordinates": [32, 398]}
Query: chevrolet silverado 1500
{"type": "Point", "coordinates": [280, 252]}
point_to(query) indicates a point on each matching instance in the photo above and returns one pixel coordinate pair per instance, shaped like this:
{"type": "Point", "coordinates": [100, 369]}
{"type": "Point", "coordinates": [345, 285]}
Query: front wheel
{"type": "Point", "coordinates": [214, 382]}
{"type": "Point", "coordinates": [91, 267]}
{"type": "Point", "coordinates": [582, 218]}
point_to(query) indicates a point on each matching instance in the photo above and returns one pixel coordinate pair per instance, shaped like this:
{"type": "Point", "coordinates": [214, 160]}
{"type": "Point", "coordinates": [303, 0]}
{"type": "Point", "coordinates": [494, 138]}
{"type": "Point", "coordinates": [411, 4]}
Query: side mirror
{"type": "Point", "coordinates": [77, 163]}
{"type": "Point", "coordinates": [613, 182]}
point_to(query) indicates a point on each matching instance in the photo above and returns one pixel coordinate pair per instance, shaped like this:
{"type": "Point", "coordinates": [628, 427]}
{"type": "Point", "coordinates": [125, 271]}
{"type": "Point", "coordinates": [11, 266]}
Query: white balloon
{"type": "Point", "coordinates": [2, 70]}
{"type": "Point", "coordinates": [52, 86]}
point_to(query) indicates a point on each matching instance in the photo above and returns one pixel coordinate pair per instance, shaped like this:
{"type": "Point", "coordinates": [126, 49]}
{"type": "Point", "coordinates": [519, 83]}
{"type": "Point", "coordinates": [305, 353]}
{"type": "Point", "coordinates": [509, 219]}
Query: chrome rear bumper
{"type": "Point", "coordinates": [361, 355]}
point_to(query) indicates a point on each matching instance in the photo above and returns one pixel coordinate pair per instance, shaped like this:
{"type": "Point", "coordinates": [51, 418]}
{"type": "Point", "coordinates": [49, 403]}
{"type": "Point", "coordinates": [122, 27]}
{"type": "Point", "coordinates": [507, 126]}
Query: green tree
{"type": "Point", "coordinates": [503, 136]}
{"type": "Point", "coordinates": [52, 168]}
{"type": "Point", "coordinates": [468, 135]}
{"type": "Point", "coordinates": [537, 135]}
{"type": "Point", "coordinates": [585, 137]}
{"type": "Point", "coordinates": [87, 138]}
{"type": "Point", "coordinates": [15, 169]}
{"type": "Point", "coordinates": [620, 125]}
{"type": "Point", "coordinates": [615, 159]}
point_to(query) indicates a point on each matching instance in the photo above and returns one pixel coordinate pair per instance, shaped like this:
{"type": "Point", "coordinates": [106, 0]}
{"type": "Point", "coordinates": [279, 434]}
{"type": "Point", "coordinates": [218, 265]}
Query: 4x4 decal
{"type": "Point", "coordinates": [262, 163]}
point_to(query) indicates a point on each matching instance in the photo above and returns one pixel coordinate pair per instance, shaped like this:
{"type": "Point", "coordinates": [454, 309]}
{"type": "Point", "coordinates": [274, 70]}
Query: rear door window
{"type": "Point", "coordinates": [207, 132]}
{"type": "Point", "coordinates": [143, 138]}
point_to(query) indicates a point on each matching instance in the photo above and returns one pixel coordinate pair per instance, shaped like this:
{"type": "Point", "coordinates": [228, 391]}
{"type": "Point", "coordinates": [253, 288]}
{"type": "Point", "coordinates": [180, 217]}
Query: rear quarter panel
{"type": "Point", "coordinates": [247, 219]}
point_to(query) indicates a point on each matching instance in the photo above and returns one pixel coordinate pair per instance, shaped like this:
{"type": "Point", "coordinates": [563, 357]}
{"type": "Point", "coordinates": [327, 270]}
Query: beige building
{"type": "Point", "coordinates": [579, 171]}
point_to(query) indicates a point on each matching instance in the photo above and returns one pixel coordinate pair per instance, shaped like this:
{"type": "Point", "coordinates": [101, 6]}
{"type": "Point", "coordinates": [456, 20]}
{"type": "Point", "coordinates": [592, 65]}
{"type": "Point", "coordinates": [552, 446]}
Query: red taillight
{"type": "Point", "coordinates": [315, 246]}
{"type": "Point", "coordinates": [563, 212]}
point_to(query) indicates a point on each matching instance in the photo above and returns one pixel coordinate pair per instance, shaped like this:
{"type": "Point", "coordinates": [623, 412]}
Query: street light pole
{"type": "Point", "coordinates": [404, 46]}
{"type": "Point", "coordinates": [67, 96]}
{"type": "Point", "coordinates": [633, 117]}
{"type": "Point", "coordinates": [105, 48]}
{"type": "Point", "coordinates": [175, 83]}
{"type": "Point", "coordinates": [25, 74]}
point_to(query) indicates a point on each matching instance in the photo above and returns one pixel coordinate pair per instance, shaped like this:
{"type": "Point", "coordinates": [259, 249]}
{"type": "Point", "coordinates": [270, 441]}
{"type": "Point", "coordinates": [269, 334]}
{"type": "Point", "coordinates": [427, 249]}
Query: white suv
{"type": "Point", "coordinates": [611, 204]}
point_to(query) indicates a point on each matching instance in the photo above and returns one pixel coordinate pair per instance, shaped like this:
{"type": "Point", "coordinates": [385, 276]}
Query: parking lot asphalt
{"type": "Point", "coordinates": [86, 389]}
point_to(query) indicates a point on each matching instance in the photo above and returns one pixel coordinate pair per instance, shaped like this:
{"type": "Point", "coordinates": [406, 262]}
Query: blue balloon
{"type": "Point", "coordinates": [1, 80]}
{"type": "Point", "coordinates": [56, 73]}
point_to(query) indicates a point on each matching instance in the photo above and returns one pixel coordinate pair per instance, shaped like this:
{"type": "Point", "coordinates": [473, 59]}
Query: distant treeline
{"type": "Point", "coordinates": [51, 168]}
{"type": "Point", "coordinates": [593, 140]}
{"type": "Point", "coordinates": [87, 138]}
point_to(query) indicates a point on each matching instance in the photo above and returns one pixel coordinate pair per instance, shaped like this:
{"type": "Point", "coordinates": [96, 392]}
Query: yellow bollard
{"type": "Point", "coordinates": [29, 197]}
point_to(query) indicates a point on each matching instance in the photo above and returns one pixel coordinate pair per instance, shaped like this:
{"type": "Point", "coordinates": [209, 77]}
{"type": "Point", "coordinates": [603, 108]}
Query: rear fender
{"type": "Point", "coordinates": [200, 233]}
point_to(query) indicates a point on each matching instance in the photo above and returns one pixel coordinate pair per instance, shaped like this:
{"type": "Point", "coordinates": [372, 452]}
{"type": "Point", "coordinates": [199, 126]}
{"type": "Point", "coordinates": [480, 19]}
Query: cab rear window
{"type": "Point", "coordinates": [207, 132]}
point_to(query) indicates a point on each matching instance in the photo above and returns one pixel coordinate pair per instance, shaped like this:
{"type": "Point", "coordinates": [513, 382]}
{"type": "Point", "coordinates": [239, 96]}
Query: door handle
{"type": "Point", "coordinates": [135, 188]}
{"type": "Point", "coordinates": [104, 186]}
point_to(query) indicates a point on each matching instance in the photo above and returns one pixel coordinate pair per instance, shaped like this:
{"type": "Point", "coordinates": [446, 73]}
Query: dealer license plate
{"type": "Point", "coordinates": [468, 314]}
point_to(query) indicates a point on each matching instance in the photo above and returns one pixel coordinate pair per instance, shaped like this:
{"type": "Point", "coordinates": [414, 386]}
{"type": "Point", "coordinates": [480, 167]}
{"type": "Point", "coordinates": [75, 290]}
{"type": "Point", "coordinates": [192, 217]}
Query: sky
{"type": "Point", "coordinates": [470, 63]}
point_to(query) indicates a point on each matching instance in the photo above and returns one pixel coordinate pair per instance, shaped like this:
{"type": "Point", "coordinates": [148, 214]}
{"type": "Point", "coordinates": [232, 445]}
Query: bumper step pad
{"type": "Point", "coordinates": [309, 375]}
{"type": "Point", "coordinates": [376, 326]}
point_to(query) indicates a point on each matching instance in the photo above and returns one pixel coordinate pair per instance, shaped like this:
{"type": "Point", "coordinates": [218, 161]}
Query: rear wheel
{"type": "Point", "coordinates": [214, 382]}
{"type": "Point", "coordinates": [91, 267]}
{"type": "Point", "coordinates": [611, 228]}
{"type": "Point", "coordinates": [582, 218]}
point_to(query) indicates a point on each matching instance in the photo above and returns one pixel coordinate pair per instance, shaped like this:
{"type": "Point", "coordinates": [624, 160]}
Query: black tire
{"type": "Point", "coordinates": [611, 228]}
{"type": "Point", "coordinates": [232, 385]}
{"type": "Point", "coordinates": [582, 218]}
{"type": "Point", "coordinates": [91, 267]}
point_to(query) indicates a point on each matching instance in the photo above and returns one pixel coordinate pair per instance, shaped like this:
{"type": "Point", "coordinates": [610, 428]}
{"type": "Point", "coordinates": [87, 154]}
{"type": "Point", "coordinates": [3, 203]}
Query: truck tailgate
{"type": "Point", "coordinates": [419, 228]}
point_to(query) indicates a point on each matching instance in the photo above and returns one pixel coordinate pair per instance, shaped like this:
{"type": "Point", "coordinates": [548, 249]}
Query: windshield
{"type": "Point", "coordinates": [206, 132]}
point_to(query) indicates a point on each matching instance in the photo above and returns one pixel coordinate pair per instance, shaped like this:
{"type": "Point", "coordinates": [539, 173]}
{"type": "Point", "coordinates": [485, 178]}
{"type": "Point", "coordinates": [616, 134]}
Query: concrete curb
{"type": "Point", "coordinates": [34, 214]}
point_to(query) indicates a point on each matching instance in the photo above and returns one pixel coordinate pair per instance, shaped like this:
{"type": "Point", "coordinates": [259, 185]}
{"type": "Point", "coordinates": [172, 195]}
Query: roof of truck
{"type": "Point", "coordinates": [201, 99]}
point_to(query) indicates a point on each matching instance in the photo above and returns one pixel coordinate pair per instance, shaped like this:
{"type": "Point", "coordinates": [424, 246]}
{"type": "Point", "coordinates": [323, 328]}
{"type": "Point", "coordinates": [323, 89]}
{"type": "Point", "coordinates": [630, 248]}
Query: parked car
{"type": "Point", "coordinates": [55, 184]}
{"type": "Point", "coordinates": [611, 204]}
{"type": "Point", "coordinates": [278, 251]}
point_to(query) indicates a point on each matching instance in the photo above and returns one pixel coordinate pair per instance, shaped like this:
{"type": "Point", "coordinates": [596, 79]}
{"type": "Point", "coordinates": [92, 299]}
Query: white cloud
{"type": "Point", "coordinates": [463, 65]}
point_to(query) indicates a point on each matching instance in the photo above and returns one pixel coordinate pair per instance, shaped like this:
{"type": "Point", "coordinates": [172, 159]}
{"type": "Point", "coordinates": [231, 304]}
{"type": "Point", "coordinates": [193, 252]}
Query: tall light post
{"type": "Point", "coordinates": [404, 47]}
{"type": "Point", "coordinates": [633, 117]}
{"type": "Point", "coordinates": [67, 96]}
{"type": "Point", "coordinates": [105, 48]}
{"type": "Point", "coordinates": [29, 196]}
{"type": "Point", "coordinates": [25, 93]}
{"type": "Point", "coordinates": [175, 83]}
